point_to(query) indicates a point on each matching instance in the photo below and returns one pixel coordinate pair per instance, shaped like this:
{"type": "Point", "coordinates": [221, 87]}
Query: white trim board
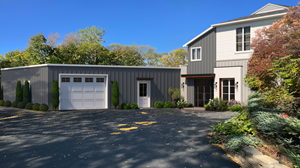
{"type": "Point", "coordinates": [81, 65]}
{"type": "Point", "coordinates": [100, 75]}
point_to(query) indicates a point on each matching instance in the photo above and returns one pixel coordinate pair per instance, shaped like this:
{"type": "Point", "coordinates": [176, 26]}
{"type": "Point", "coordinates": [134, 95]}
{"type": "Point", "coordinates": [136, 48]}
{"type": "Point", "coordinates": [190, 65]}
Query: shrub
{"type": "Point", "coordinates": [233, 102]}
{"type": "Point", "coordinates": [7, 103]}
{"type": "Point", "coordinates": [1, 103]}
{"type": "Point", "coordinates": [180, 106]}
{"type": "Point", "coordinates": [290, 106]}
{"type": "Point", "coordinates": [125, 106]}
{"type": "Point", "coordinates": [43, 107]}
{"type": "Point", "coordinates": [175, 94]}
{"type": "Point", "coordinates": [21, 105]}
{"type": "Point", "coordinates": [26, 94]}
{"type": "Point", "coordinates": [115, 94]}
{"type": "Point", "coordinates": [190, 105]}
{"type": "Point", "coordinates": [29, 106]}
{"type": "Point", "coordinates": [158, 104]}
{"type": "Point", "coordinates": [14, 104]}
{"type": "Point", "coordinates": [168, 104]}
{"type": "Point", "coordinates": [216, 104]}
{"type": "Point", "coordinates": [36, 106]}
{"type": "Point", "coordinates": [235, 142]}
{"type": "Point", "coordinates": [134, 106]}
{"type": "Point", "coordinates": [235, 107]}
{"type": "Point", "coordinates": [19, 92]}
{"type": "Point", "coordinates": [240, 124]}
{"type": "Point", "coordinates": [55, 95]}
{"type": "Point", "coordinates": [182, 103]}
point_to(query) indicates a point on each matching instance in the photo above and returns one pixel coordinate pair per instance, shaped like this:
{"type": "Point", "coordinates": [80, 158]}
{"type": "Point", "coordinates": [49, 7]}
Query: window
{"type": "Point", "coordinates": [196, 53]}
{"type": "Point", "coordinates": [76, 79]}
{"type": "Point", "coordinates": [65, 79]}
{"type": "Point", "coordinates": [100, 79]}
{"type": "Point", "coordinates": [243, 39]}
{"type": "Point", "coordinates": [88, 79]}
{"type": "Point", "coordinates": [143, 89]}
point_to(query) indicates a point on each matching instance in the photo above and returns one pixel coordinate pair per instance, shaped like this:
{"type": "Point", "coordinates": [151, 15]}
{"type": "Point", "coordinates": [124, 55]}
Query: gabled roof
{"type": "Point", "coordinates": [267, 11]}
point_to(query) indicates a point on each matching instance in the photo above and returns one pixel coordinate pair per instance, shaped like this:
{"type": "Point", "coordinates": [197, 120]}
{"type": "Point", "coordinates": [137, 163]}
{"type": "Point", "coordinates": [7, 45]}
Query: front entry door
{"type": "Point", "coordinates": [203, 91]}
{"type": "Point", "coordinates": [144, 93]}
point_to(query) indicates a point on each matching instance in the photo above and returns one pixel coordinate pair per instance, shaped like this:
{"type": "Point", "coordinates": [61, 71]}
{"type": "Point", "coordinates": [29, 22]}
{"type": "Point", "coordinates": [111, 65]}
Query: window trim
{"type": "Point", "coordinates": [243, 42]}
{"type": "Point", "coordinates": [191, 53]}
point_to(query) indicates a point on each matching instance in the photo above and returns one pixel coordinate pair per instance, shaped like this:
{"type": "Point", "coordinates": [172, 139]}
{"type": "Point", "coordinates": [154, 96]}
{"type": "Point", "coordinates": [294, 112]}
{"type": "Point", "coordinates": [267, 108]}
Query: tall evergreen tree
{"type": "Point", "coordinates": [19, 92]}
{"type": "Point", "coordinates": [26, 94]}
{"type": "Point", "coordinates": [55, 95]}
{"type": "Point", "coordinates": [115, 94]}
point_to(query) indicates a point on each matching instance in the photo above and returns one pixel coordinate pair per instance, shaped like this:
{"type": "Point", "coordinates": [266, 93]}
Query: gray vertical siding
{"type": "Point", "coordinates": [190, 90]}
{"type": "Point", "coordinates": [38, 77]}
{"type": "Point", "coordinates": [241, 62]}
{"type": "Point", "coordinates": [208, 61]}
{"type": "Point", "coordinates": [126, 77]}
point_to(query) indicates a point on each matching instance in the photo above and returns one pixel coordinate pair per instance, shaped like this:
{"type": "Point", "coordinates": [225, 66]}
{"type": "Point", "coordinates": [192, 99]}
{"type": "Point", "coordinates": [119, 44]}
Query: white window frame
{"type": "Point", "coordinates": [196, 54]}
{"type": "Point", "coordinates": [243, 42]}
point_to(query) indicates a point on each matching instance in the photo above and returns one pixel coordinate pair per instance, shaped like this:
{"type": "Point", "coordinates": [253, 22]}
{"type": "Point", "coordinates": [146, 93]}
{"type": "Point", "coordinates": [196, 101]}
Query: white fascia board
{"type": "Point", "coordinates": [96, 66]}
{"type": "Point", "coordinates": [266, 6]}
{"type": "Point", "coordinates": [186, 44]}
{"type": "Point", "coordinates": [246, 20]}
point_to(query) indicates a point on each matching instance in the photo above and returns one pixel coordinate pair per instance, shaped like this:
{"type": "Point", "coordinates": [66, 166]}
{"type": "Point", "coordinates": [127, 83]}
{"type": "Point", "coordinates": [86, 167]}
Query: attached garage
{"type": "Point", "coordinates": [82, 91]}
{"type": "Point", "coordinates": [90, 86]}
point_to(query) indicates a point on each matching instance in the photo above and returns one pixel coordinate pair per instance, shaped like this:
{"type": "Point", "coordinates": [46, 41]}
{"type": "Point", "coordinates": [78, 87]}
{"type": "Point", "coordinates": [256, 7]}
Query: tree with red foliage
{"type": "Point", "coordinates": [279, 40]}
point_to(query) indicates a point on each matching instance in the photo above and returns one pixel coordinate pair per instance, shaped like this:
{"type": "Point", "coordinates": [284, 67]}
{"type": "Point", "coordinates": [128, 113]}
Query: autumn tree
{"type": "Point", "coordinates": [279, 40]}
{"type": "Point", "coordinates": [52, 39]}
{"type": "Point", "coordinates": [174, 58]}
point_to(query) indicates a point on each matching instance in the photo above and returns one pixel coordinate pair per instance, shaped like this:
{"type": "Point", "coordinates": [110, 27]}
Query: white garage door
{"type": "Point", "coordinates": [82, 92]}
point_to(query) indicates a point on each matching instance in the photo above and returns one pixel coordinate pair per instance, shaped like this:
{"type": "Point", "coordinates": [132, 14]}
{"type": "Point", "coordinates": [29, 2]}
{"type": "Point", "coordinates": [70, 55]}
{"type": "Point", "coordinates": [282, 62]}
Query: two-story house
{"type": "Point", "coordinates": [217, 58]}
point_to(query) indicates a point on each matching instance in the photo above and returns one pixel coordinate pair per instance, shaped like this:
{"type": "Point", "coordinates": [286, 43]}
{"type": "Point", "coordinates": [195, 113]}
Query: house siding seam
{"type": "Point", "coordinates": [208, 58]}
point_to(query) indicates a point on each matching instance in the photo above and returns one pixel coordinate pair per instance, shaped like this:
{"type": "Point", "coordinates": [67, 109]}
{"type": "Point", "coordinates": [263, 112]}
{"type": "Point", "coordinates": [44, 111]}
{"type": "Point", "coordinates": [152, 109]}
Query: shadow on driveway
{"type": "Point", "coordinates": [83, 139]}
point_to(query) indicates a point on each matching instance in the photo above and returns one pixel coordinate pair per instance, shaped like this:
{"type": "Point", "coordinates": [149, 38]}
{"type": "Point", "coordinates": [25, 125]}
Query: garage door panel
{"type": "Point", "coordinates": [77, 96]}
{"type": "Point", "coordinates": [88, 96]}
{"type": "Point", "coordinates": [100, 87]}
{"type": "Point", "coordinates": [88, 104]}
{"type": "Point", "coordinates": [65, 88]}
{"type": "Point", "coordinates": [99, 95]}
{"type": "Point", "coordinates": [99, 103]}
{"type": "Point", "coordinates": [77, 88]}
{"type": "Point", "coordinates": [65, 104]}
{"type": "Point", "coordinates": [77, 104]}
{"type": "Point", "coordinates": [66, 95]}
{"type": "Point", "coordinates": [89, 88]}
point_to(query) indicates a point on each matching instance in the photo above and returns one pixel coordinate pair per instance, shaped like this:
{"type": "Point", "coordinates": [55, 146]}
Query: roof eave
{"type": "Point", "coordinates": [250, 19]}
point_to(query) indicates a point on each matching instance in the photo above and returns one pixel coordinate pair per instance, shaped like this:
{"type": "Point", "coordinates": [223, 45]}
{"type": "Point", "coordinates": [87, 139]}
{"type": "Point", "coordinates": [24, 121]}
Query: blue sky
{"type": "Point", "coordinates": [165, 25]}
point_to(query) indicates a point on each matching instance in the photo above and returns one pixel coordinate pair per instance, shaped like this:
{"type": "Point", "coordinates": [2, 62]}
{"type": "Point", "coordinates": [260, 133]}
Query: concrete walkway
{"type": "Point", "coordinates": [169, 138]}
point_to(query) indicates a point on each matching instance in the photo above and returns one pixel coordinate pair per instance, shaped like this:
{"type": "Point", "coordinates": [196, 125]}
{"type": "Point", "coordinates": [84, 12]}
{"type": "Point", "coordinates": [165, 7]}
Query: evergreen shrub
{"type": "Point", "coordinates": [43, 107]}
{"type": "Point", "coordinates": [168, 104]}
{"type": "Point", "coordinates": [19, 92]}
{"type": "Point", "coordinates": [7, 103]}
{"type": "Point", "coordinates": [29, 106]}
{"type": "Point", "coordinates": [21, 105]}
{"type": "Point", "coordinates": [1, 102]}
{"type": "Point", "coordinates": [115, 94]}
{"type": "Point", "coordinates": [55, 95]}
{"type": "Point", "coordinates": [134, 106]}
{"type": "Point", "coordinates": [36, 106]}
{"type": "Point", "coordinates": [14, 104]}
{"type": "Point", "coordinates": [158, 104]}
{"type": "Point", "coordinates": [125, 106]}
{"type": "Point", "coordinates": [26, 94]}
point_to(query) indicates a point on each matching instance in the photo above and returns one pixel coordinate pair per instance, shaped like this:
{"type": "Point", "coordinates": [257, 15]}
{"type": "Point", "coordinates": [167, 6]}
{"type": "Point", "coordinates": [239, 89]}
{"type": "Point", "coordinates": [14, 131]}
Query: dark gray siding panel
{"type": "Point", "coordinates": [190, 90]}
{"type": "Point", "coordinates": [208, 61]}
{"type": "Point", "coordinates": [126, 77]}
{"type": "Point", "coordinates": [38, 78]}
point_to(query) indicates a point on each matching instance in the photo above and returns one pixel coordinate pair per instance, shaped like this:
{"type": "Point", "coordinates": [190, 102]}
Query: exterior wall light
{"type": "Point", "coordinates": [237, 84]}
{"type": "Point", "coordinates": [182, 84]}
{"type": "Point", "coordinates": [216, 84]}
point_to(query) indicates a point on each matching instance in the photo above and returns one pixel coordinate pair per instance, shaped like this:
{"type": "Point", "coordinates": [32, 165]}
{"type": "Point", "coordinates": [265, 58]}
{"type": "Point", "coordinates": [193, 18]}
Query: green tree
{"type": "Point", "coordinates": [174, 58]}
{"type": "Point", "coordinates": [26, 94]}
{"type": "Point", "coordinates": [115, 94]}
{"type": "Point", "coordinates": [55, 95]}
{"type": "Point", "coordinates": [19, 92]}
{"type": "Point", "coordinates": [38, 50]}
{"type": "Point", "coordinates": [91, 35]}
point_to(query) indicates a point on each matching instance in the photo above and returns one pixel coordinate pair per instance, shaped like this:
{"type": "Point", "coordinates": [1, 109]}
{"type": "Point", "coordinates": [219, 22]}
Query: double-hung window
{"type": "Point", "coordinates": [196, 53]}
{"type": "Point", "coordinates": [243, 38]}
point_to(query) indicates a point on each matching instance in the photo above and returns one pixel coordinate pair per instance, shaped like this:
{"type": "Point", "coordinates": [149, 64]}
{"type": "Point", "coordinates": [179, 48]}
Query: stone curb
{"type": "Point", "coordinates": [249, 157]}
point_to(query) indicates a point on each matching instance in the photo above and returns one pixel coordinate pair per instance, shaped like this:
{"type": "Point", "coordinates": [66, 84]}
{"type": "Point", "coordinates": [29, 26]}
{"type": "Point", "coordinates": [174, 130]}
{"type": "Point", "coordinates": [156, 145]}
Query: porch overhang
{"type": "Point", "coordinates": [198, 76]}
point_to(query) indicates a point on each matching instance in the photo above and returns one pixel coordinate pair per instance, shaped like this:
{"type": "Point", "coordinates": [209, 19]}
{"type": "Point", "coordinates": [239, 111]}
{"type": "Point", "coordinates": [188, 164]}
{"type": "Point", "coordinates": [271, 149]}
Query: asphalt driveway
{"type": "Point", "coordinates": [88, 139]}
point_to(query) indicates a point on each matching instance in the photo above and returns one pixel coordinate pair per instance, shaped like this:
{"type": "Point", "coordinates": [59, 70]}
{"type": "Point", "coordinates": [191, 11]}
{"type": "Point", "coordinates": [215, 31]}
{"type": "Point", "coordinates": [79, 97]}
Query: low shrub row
{"type": "Point", "coordinates": [129, 106]}
{"type": "Point", "coordinates": [180, 104]}
{"type": "Point", "coordinates": [217, 104]}
{"type": "Point", "coordinates": [22, 105]}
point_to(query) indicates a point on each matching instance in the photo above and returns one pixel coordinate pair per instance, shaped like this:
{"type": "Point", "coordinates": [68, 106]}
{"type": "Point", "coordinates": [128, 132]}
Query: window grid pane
{"type": "Point", "coordinates": [100, 79]}
{"type": "Point", "coordinates": [193, 54]}
{"type": "Point", "coordinates": [65, 79]}
{"type": "Point", "coordinates": [88, 79]}
{"type": "Point", "coordinates": [198, 53]}
{"type": "Point", "coordinates": [76, 79]}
